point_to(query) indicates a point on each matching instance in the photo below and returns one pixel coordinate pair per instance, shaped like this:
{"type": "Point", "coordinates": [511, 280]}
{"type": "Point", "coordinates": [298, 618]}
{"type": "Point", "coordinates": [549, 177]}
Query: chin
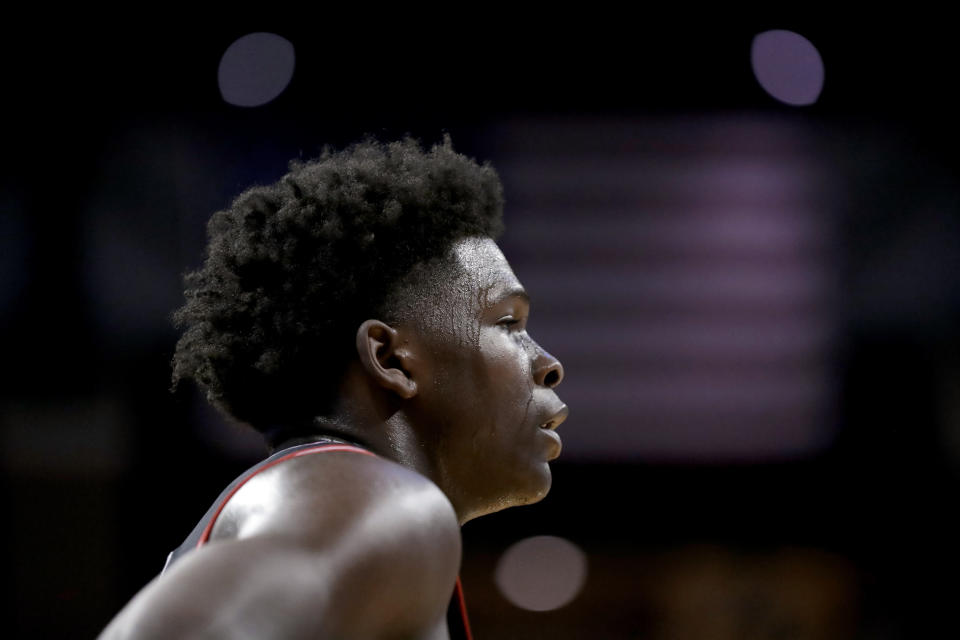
{"type": "Point", "coordinates": [536, 489]}
{"type": "Point", "coordinates": [531, 490]}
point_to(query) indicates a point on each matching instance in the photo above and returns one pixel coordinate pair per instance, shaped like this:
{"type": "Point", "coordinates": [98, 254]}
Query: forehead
{"type": "Point", "coordinates": [484, 269]}
{"type": "Point", "coordinates": [451, 298]}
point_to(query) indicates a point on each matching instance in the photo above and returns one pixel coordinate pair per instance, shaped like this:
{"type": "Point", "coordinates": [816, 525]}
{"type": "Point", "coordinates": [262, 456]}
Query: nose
{"type": "Point", "coordinates": [547, 370]}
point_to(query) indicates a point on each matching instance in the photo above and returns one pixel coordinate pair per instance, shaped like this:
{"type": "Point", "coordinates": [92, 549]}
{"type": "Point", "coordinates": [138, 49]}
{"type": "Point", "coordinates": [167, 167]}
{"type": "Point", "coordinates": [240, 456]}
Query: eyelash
{"type": "Point", "coordinates": [508, 321]}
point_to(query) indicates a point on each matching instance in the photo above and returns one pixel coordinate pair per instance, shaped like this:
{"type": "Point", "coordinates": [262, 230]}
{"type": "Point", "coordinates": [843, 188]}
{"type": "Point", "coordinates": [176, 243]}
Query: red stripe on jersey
{"type": "Point", "coordinates": [463, 609]}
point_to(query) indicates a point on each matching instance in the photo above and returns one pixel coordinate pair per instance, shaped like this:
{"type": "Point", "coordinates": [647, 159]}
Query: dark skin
{"type": "Point", "coordinates": [457, 402]}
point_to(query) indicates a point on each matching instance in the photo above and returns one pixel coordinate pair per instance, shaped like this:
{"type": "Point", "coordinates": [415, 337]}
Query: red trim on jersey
{"type": "Point", "coordinates": [458, 589]}
{"type": "Point", "coordinates": [302, 452]}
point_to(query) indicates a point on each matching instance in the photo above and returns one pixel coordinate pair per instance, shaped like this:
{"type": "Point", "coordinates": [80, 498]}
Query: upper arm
{"type": "Point", "coordinates": [235, 589]}
{"type": "Point", "coordinates": [374, 556]}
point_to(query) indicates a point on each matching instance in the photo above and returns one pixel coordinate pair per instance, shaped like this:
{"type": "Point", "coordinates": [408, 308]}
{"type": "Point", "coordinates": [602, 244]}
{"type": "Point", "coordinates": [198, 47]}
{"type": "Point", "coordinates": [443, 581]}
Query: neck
{"type": "Point", "coordinates": [377, 421]}
{"type": "Point", "coordinates": [282, 438]}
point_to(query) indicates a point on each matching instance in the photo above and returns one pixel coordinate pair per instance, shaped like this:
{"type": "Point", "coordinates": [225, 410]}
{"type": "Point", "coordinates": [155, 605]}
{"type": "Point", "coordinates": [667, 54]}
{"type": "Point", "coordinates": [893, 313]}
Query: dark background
{"type": "Point", "coordinates": [827, 515]}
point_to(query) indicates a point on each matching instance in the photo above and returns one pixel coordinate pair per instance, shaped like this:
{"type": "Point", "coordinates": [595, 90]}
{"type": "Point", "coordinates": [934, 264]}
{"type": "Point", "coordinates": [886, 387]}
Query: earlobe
{"type": "Point", "coordinates": [384, 359]}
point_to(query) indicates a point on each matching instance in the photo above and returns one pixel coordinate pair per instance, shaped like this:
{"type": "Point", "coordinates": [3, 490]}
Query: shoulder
{"type": "Point", "coordinates": [386, 536]}
{"type": "Point", "coordinates": [316, 498]}
{"type": "Point", "coordinates": [355, 547]}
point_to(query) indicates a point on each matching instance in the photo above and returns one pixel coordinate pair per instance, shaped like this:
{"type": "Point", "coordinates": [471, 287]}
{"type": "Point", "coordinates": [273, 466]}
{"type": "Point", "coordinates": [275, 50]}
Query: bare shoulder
{"type": "Point", "coordinates": [332, 545]}
{"type": "Point", "coordinates": [318, 498]}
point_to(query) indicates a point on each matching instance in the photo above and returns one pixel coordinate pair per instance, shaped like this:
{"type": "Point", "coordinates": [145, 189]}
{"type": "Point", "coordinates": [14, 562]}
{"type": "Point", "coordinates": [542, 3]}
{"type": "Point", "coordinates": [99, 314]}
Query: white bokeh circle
{"type": "Point", "coordinates": [787, 66]}
{"type": "Point", "coordinates": [541, 573]}
{"type": "Point", "coordinates": [255, 69]}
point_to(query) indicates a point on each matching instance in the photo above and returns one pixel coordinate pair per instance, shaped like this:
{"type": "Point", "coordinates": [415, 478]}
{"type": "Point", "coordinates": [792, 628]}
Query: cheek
{"type": "Point", "coordinates": [485, 388]}
{"type": "Point", "coordinates": [491, 365]}
{"type": "Point", "coordinates": [503, 379]}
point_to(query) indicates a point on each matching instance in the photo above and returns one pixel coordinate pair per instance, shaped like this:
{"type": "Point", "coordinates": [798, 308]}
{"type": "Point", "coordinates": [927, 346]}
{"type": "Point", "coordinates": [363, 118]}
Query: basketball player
{"type": "Point", "coordinates": [359, 314]}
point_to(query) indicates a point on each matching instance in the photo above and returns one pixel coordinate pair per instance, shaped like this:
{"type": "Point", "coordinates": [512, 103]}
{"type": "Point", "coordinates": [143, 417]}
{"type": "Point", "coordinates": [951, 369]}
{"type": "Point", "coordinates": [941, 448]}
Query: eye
{"type": "Point", "coordinates": [508, 321]}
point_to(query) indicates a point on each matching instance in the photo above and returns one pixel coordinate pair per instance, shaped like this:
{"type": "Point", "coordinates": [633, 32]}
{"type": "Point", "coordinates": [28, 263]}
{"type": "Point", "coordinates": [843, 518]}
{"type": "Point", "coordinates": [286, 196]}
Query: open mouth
{"type": "Point", "coordinates": [554, 421]}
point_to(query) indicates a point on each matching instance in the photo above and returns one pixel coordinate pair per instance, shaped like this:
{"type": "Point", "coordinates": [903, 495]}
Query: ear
{"type": "Point", "coordinates": [385, 359]}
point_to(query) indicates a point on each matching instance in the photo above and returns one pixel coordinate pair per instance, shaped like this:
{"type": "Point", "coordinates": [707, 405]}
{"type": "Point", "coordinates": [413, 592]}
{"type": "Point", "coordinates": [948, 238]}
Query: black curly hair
{"type": "Point", "coordinates": [293, 268]}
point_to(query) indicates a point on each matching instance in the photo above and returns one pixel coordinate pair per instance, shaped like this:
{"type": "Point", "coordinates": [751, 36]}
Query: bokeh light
{"type": "Point", "coordinates": [541, 573]}
{"type": "Point", "coordinates": [787, 66]}
{"type": "Point", "coordinates": [255, 69]}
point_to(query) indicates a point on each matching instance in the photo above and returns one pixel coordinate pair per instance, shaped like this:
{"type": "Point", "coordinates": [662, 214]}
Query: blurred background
{"type": "Point", "coordinates": [742, 239]}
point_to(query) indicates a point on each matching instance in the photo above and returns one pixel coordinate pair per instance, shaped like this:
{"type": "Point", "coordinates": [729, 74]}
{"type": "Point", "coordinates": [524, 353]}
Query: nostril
{"type": "Point", "coordinates": [552, 378]}
{"type": "Point", "coordinates": [547, 370]}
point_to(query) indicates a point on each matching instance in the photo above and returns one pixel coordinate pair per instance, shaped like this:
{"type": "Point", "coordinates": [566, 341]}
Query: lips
{"type": "Point", "coordinates": [554, 420]}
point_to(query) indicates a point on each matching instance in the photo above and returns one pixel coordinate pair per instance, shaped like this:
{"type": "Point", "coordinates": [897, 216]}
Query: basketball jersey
{"type": "Point", "coordinates": [457, 621]}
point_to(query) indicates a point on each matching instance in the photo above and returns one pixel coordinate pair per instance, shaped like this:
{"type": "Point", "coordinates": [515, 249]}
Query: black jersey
{"type": "Point", "coordinates": [457, 620]}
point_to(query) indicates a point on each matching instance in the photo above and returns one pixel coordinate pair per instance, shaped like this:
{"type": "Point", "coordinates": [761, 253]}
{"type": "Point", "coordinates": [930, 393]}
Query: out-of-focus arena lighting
{"type": "Point", "coordinates": [255, 69]}
{"type": "Point", "coordinates": [541, 573]}
{"type": "Point", "coordinates": [787, 66]}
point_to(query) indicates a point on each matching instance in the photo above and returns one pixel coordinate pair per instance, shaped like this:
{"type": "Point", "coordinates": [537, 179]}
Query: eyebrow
{"type": "Point", "coordinates": [513, 292]}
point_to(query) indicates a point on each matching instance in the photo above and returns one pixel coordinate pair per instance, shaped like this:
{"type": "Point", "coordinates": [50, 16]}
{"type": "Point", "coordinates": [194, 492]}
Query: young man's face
{"type": "Point", "coordinates": [487, 398]}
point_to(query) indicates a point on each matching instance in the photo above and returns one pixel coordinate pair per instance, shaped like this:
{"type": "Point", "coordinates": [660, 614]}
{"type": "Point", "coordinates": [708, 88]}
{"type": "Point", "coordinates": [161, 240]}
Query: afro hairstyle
{"type": "Point", "coordinates": [293, 268]}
